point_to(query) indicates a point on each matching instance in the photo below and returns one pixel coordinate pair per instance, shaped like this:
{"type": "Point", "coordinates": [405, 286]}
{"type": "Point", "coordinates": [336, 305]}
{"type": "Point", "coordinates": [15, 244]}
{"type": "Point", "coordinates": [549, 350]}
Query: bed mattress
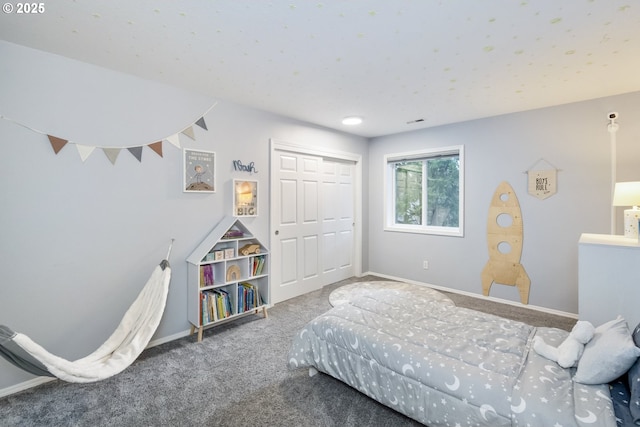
{"type": "Point", "coordinates": [444, 365]}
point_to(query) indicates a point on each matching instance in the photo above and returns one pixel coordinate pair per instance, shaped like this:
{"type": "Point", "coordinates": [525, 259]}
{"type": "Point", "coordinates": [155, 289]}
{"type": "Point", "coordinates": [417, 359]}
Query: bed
{"type": "Point", "coordinates": [416, 352]}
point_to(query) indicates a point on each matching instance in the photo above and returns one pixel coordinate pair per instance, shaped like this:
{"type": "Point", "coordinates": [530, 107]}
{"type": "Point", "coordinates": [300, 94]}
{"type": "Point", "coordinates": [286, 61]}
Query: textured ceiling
{"type": "Point", "coordinates": [392, 62]}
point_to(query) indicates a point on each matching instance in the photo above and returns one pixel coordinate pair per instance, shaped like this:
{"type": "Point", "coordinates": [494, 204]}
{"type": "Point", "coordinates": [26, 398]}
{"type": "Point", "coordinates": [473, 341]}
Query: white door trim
{"type": "Point", "coordinates": [281, 145]}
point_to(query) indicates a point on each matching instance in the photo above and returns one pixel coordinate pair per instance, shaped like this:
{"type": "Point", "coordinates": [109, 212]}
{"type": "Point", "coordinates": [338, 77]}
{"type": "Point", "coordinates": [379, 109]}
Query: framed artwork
{"type": "Point", "coordinates": [199, 173]}
{"type": "Point", "coordinates": [245, 197]}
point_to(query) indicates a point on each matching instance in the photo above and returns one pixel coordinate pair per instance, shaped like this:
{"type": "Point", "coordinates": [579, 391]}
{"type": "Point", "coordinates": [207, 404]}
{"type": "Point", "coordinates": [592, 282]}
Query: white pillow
{"type": "Point", "coordinates": [609, 354]}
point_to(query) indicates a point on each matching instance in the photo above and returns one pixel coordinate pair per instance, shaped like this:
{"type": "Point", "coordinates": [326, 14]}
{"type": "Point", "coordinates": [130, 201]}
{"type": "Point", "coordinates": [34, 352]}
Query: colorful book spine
{"type": "Point", "coordinates": [260, 265]}
{"type": "Point", "coordinates": [202, 304]}
{"type": "Point", "coordinates": [206, 275]}
{"type": "Point", "coordinates": [208, 307]}
{"type": "Point", "coordinates": [248, 296]}
{"type": "Point", "coordinates": [257, 265]}
{"type": "Point", "coordinates": [241, 304]}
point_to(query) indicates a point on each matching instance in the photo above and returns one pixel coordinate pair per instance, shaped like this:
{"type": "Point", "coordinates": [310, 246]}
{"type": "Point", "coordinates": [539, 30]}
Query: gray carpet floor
{"type": "Point", "coordinates": [237, 376]}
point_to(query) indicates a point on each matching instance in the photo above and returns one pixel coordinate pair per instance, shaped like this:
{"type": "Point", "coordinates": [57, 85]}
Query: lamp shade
{"type": "Point", "coordinates": [627, 194]}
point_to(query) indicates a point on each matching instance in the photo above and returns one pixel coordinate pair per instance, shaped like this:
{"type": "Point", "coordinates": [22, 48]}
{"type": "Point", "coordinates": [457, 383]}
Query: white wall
{"type": "Point", "coordinates": [572, 137]}
{"type": "Point", "coordinates": [79, 240]}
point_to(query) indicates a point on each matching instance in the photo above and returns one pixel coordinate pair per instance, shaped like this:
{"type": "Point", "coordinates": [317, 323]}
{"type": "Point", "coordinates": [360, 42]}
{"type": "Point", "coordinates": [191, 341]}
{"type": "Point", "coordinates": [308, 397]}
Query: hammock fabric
{"type": "Point", "coordinates": [121, 349]}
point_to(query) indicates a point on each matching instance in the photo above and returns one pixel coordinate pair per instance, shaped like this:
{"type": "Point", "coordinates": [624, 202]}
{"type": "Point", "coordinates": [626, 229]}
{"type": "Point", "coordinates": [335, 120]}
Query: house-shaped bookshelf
{"type": "Point", "coordinates": [228, 276]}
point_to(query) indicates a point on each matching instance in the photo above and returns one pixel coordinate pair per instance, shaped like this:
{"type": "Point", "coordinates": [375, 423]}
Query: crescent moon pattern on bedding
{"type": "Point", "coordinates": [440, 364]}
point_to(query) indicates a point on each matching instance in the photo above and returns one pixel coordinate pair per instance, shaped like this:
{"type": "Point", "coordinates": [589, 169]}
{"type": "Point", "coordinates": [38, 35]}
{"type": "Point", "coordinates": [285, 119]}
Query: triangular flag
{"type": "Point", "coordinates": [57, 143]}
{"type": "Point", "coordinates": [85, 151]}
{"type": "Point", "coordinates": [137, 152]}
{"type": "Point", "coordinates": [201, 123]}
{"type": "Point", "coordinates": [112, 154]}
{"type": "Point", "coordinates": [157, 147]}
{"type": "Point", "coordinates": [174, 139]}
{"type": "Point", "coordinates": [189, 132]}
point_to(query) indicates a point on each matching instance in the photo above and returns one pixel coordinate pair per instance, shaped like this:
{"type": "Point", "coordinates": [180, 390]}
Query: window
{"type": "Point", "coordinates": [424, 191]}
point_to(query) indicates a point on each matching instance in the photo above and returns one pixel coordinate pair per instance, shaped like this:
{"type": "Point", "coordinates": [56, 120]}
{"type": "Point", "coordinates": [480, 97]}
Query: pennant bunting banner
{"type": "Point", "coordinates": [201, 123]}
{"type": "Point", "coordinates": [112, 153]}
{"type": "Point", "coordinates": [174, 139]}
{"type": "Point", "coordinates": [137, 152]}
{"type": "Point", "coordinates": [189, 132]}
{"type": "Point", "coordinates": [85, 151]}
{"type": "Point", "coordinates": [57, 143]}
{"type": "Point", "coordinates": [157, 147]}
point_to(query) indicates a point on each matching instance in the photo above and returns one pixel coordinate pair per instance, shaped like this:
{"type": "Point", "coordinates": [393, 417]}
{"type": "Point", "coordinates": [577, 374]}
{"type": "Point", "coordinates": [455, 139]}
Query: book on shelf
{"type": "Point", "coordinates": [204, 308]}
{"type": "Point", "coordinates": [260, 265]}
{"type": "Point", "coordinates": [222, 313]}
{"type": "Point", "coordinates": [223, 303]}
{"type": "Point", "coordinates": [208, 307]}
{"type": "Point", "coordinates": [243, 304]}
{"type": "Point", "coordinates": [248, 297]}
{"type": "Point", "coordinates": [206, 275]}
{"type": "Point", "coordinates": [240, 300]}
{"type": "Point", "coordinates": [257, 265]}
{"type": "Point", "coordinates": [202, 317]}
{"type": "Point", "coordinates": [215, 304]}
{"type": "Point", "coordinates": [228, 305]}
{"type": "Point", "coordinates": [233, 234]}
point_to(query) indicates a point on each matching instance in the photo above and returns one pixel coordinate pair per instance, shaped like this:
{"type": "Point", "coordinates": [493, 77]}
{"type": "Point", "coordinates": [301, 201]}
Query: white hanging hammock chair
{"type": "Point", "coordinates": [119, 351]}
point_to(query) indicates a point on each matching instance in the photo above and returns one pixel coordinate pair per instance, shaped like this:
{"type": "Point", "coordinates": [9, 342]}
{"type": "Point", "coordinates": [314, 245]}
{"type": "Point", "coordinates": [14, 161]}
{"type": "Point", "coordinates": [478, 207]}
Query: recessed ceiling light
{"type": "Point", "coordinates": [352, 120]}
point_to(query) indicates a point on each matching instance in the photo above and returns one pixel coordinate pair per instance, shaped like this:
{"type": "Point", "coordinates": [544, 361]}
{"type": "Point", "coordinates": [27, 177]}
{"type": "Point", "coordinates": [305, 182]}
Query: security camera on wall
{"type": "Point", "coordinates": [613, 116]}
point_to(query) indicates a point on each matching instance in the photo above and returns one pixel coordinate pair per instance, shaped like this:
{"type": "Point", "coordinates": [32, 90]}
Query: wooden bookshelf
{"type": "Point", "coordinates": [228, 276]}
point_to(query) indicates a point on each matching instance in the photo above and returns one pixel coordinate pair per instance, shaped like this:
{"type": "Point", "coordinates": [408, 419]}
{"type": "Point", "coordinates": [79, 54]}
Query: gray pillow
{"type": "Point", "coordinates": [608, 355]}
{"type": "Point", "coordinates": [634, 391]}
{"type": "Point", "coordinates": [634, 382]}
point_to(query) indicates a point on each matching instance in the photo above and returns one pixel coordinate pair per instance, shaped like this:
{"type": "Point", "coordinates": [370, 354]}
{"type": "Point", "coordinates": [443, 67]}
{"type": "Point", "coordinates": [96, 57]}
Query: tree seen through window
{"type": "Point", "coordinates": [434, 201]}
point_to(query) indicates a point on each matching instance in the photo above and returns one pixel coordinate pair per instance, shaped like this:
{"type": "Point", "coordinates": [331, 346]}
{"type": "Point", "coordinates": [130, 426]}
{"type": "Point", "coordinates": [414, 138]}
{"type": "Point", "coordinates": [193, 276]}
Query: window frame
{"type": "Point", "coordinates": [390, 191]}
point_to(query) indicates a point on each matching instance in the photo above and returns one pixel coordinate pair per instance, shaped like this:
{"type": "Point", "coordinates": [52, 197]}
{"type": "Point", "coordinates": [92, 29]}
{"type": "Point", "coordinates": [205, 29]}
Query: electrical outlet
{"type": "Point", "coordinates": [425, 264]}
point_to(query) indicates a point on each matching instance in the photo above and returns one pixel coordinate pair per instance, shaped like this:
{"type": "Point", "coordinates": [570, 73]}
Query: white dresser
{"type": "Point", "coordinates": [608, 278]}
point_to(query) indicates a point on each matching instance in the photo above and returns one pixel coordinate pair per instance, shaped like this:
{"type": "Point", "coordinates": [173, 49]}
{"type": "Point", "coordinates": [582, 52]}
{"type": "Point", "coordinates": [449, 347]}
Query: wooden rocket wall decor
{"type": "Point", "coordinates": [504, 238]}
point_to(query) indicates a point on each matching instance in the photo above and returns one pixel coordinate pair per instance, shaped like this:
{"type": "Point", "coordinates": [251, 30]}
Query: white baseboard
{"type": "Point", "coordinates": [42, 380]}
{"type": "Point", "coordinates": [470, 294]}
{"type": "Point", "coordinates": [168, 338]}
{"type": "Point", "coordinates": [25, 385]}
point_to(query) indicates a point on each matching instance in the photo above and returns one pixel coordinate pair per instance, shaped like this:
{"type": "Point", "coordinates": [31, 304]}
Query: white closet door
{"type": "Point", "coordinates": [297, 225]}
{"type": "Point", "coordinates": [337, 220]}
{"type": "Point", "coordinates": [313, 220]}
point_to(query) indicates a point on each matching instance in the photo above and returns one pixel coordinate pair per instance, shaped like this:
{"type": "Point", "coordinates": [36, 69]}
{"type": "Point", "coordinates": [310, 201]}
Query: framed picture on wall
{"type": "Point", "coordinates": [245, 197]}
{"type": "Point", "coordinates": [199, 173]}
